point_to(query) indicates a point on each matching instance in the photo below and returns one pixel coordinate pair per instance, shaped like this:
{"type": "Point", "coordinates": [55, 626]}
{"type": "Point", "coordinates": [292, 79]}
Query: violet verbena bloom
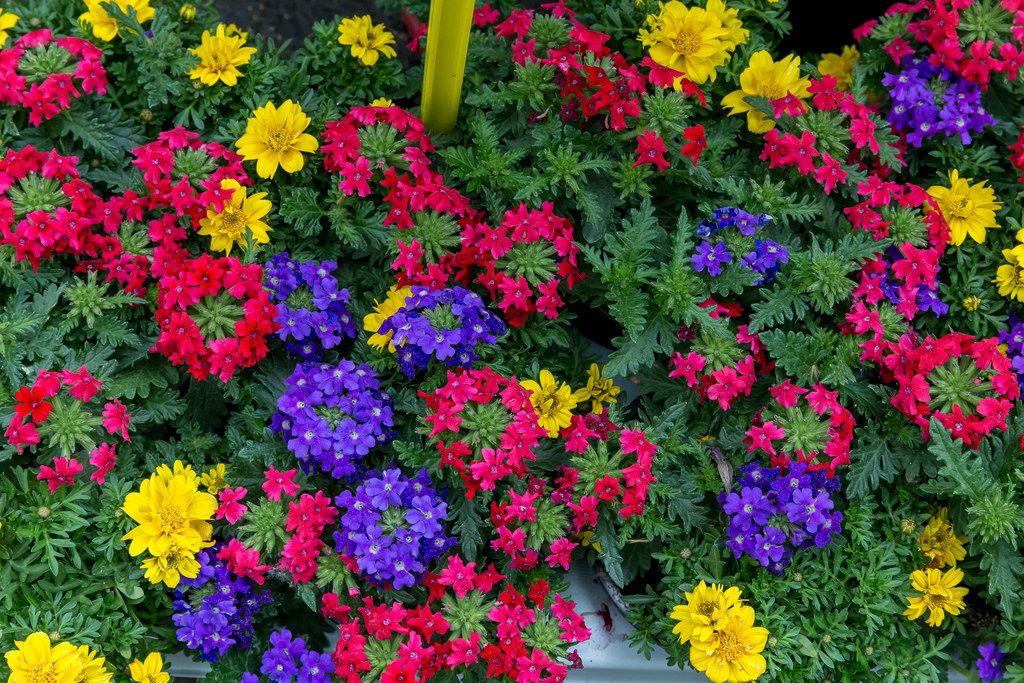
{"type": "Point", "coordinates": [311, 307]}
{"type": "Point", "coordinates": [767, 258]}
{"type": "Point", "coordinates": [330, 416]}
{"type": "Point", "coordinates": [730, 217]}
{"type": "Point", "coordinates": [446, 324]}
{"type": "Point", "coordinates": [928, 101]}
{"type": "Point", "coordinates": [1013, 337]}
{"type": "Point", "coordinates": [710, 257]}
{"type": "Point", "coordinates": [215, 611]}
{"type": "Point", "coordinates": [288, 659]}
{"type": "Point", "coordinates": [393, 527]}
{"type": "Point", "coordinates": [990, 662]}
{"type": "Point", "coordinates": [778, 511]}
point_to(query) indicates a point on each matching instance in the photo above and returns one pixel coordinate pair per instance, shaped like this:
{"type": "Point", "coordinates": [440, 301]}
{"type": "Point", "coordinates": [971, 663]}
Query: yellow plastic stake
{"type": "Point", "coordinates": [447, 44]}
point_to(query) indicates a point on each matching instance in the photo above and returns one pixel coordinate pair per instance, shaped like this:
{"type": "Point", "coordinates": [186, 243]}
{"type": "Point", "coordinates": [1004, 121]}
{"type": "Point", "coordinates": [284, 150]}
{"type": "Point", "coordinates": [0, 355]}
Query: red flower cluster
{"type": "Point", "coordinates": [830, 450]}
{"type": "Point", "coordinates": [33, 406]}
{"type": "Point", "coordinates": [307, 519]}
{"type": "Point", "coordinates": [213, 313]}
{"type": "Point", "coordinates": [46, 209]}
{"type": "Point", "coordinates": [425, 641]}
{"type": "Point", "coordinates": [1017, 158]}
{"type": "Point", "coordinates": [490, 446]}
{"type": "Point", "coordinates": [43, 74]}
{"type": "Point", "coordinates": [967, 384]}
{"type": "Point", "coordinates": [518, 521]}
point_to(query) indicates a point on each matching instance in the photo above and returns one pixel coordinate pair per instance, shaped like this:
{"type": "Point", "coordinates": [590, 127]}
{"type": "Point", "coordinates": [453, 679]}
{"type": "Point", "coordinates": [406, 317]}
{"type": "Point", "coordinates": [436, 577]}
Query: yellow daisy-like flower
{"type": "Point", "coordinates": [174, 563]}
{"type": "Point", "coordinates": [599, 389]}
{"type": "Point", "coordinates": [367, 41]}
{"type": "Point", "coordinates": [971, 303]}
{"type": "Point", "coordinates": [382, 102]}
{"type": "Point", "coordinates": [275, 136]}
{"type": "Point", "coordinates": [7, 21]}
{"type": "Point", "coordinates": [732, 651]}
{"type": "Point", "coordinates": [106, 27]}
{"type": "Point", "coordinates": [150, 671]}
{"type": "Point", "coordinates": [840, 65]}
{"type": "Point", "coordinates": [553, 401]}
{"type": "Point", "coordinates": [382, 311]}
{"type": "Point", "coordinates": [214, 479]}
{"type": "Point", "coordinates": [764, 77]}
{"type": "Point", "coordinates": [694, 40]}
{"type": "Point", "coordinates": [940, 593]}
{"type": "Point", "coordinates": [35, 659]}
{"type": "Point", "coordinates": [220, 55]}
{"type": "Point", "coordinates": [969, 209]}
{"type": "Point", "coordinates": [939, 542]}
{"type": "Point", "coordinates": [241, 216]}
{"type": "Point", "coordinates": [179, 469]}
{"type": "Point", "coordinates": [169, 511]}
{"type": "Point", "coordinates": [187, 12]}
{"type": "Point", "coordinates": [704, 606]}
{"type": "Point", "coordinates": [94, 668]}
{"type": "Point", "coordinates": [1010, 276]}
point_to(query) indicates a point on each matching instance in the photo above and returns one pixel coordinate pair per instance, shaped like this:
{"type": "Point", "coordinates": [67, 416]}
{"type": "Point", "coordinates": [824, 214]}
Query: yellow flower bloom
{"type": "Point", "coordinates": [94, 669]}
{"type": "Point", "coordinates": [34, 659]}
{"type": "Point", "coordinates": [381, 312]}
{"type": "Point", "coordinates": [703, 608]}
{"type": "Point", "coordinates": [599, 389]}
{"type": "Point", "coordinates": [1010, 276]}
{"type": "Point", "coordinates": [169, 510]}
{"type": "Point", "coordinates": [969, 209]}
{"type": "Point", "coordinates": [840, 65]}
{"type": "Point", "coordinates": [732, 652]}
{"type": "Point", "coordinates": [764, 77]}
{"type": "Point", "coordinates": [243, 213]}
{"type": "Point", "coordinates": [382, 102]}
{"type": "Point", "coordinates": [588, 541]}
{"type": "Point", "coordinates": [275, 136]}
{"type": "Point", "coordinates": [940, 593]}
{"type": "Point", "coordinates": [168, 472]}
{"type": "Point", "coordinates": [220, 55]}
{"type": "Point", "coordinates": [553, 401]}
{"type": "Point", "coordinates": [174, 563]}
{"type": "Point", "coordinates": [367, 41]}
{"type": "Point", "coordinates": [939, 542]}
{"type": "Point", "coordinates": [106, 27]}
{"type": "Point", "coordinates": [232, 30]}
{"type": "Point", "coordinates": [694, 40]}
{"type": "Point", "coordinates": [214, 480]}
{"type": "Point", "coordinates": [150, 671]}
{"type": "Point", "coordinates": [972, 303]}
{"type": "Point", "coordinates": [187, 12]}
{"type": "Point", "coordinates": [7, 21]}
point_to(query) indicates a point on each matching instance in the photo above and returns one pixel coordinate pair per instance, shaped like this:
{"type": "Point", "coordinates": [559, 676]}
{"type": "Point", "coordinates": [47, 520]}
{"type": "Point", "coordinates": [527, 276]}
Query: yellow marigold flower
{"type": "Point", "coordinates": [382, 311]}
{"type": "Point", "coordinates": [150, 671]}
{"type": "Point", "coordinates": [703, 608]}
{"type": "Point", "coordinates": [94, 669]}
{"type": "Point", "coordinates": [382, 102]}
{"type": "Point", "coordinates": [940, 593]}
{"type": "Point", "coordinates": [939, 542]}
{"type": "Point", "coordinates": [104, 26]}
{"type": "Point", "coordinates": [35, 659]}
{"type": "Point", "coordinates": [764, 77]}
{"type": "Point", "coordinates": [179, 469]}
{"type": "Point", "coordinates": [7, 21]}
{"type": "Point", "coordinates": [176, 562]}
{"type": "Point", "coordinates": [599, 389]}
{"type": "Point", "coordinates": [694, 40]}
{"type": "Point", "coordinates": [187, 12]}
{"type": "Point", "coordinates": [732, 651]}
{"type": "Point", "coordinates": [242, 214]}
{"type": "Point", "coordinates": [275, 136]}
{"type": "Point", "coordinates": [840, 65]}
{"type": "Point", "coordinates": [367, 41]}
{"type": "Point", "coordinates": [553, 401]}
{"type": "Point", "coordinates": [220, 55]}
{"type": "Point", "coordinates": [214, 480]}
{"type": "Point", "coordinates": [1010, 276]}
{"type": "Point", "coordinates": [232, 30]}
{"type": "Point", "coordinates": [969, 209]}
{"type": "Point", "coordinates": [972, 303]}
{"type": "Point", "coordinates": [168, 510]}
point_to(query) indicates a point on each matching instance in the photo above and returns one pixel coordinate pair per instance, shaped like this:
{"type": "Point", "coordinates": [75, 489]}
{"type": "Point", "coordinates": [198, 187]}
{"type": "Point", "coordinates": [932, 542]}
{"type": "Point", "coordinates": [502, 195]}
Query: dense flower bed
{"type": "Point", "coordinates": [738, 328]}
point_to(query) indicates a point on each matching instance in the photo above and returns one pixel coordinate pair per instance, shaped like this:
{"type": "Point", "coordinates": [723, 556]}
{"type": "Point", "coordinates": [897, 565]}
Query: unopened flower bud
{"type": "Point", "coordinates": [908, 527]}
{"type": "Point", "coordinates": [43, 512]}
{"type": "Point", "coordinates": [187, 12]}
{"type": "Point", "coordinates": [146, 115]}
{"type": "Point", "coordinates": [685, 553]}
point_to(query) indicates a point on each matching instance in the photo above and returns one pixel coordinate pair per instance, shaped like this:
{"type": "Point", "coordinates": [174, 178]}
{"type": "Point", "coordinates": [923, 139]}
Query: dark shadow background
{"type": "Point", "coordinates": [817, 26]}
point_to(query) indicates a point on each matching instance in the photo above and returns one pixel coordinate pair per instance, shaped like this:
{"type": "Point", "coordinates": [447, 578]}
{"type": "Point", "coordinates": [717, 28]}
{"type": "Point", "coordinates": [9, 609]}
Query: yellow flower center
{"type": "Point", "coordinates": [233, 224]}
{"type": "Point", "coordinates": [686, 43]}
{"type": "Point", "coordinates": [279, 139]}
{"type": "Point", "coordinates": [773, 91]}
{"type": "Point", "coordinates": [170, 518]}
{"type": "Point", "coordinates": [961, 207]}
{"type": "Point", "coordinates": [935, 601]}
{"type": "Point", "coordinates": [705, 608]}
{"type": "Point", "coordinates": [730, 646]}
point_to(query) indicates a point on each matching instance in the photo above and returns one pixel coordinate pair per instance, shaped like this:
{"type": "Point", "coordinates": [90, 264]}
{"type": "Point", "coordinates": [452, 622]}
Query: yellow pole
{"type": "Point", "coordinates": [447, 44]}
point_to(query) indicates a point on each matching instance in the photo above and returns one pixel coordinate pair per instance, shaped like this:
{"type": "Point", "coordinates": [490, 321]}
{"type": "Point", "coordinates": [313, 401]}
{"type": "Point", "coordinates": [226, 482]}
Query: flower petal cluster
{"type": "Point", "coordinates": [941, 594]}
{"type": "Point", "coordinates": [990, 662]}
{"type": "Point", "coordinates": [37, 658]}
{"type": "Point", "coordinates": [239, 222]}
{"type": "Point", "coordinates": [367, 41]}
{"type": "Point", "coordinates": [275, 137]}
{"type": "Point", "coordinates": [106, 27]}
{"type": "Point", "coordinates": [220, 54]}
{"type": "Point", "coordinates": [765, 256]}
{"type": "Point", "coordinates": [940, 543]}
{"type": "Point", "coordinates": [773, 80]}
{"type": "Point", "coordinates": [693, 40]}
{"type": "Point", "coordinates": [968, 209]}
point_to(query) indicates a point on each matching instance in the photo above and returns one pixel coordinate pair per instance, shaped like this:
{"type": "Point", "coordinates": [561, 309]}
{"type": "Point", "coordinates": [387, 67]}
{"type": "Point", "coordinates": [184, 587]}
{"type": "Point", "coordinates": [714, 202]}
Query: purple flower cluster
{"type": "Point", "coordinates": [990, 662]}
{"type": "Point", "coordinates": [332, 415]}
{"type": "Point", "coordinates": [214, 611]}
{"type": "Point", "coordinates": [393, 527]}
{"type": "Point", "coordinates": [775, 512]}
{"type": "Point", "coordinates": [446, 324]}
{"type": "Point", "coordinates": [288, 659]}
{"type": "Point", "coordinates": [928, 100]}
{"type": "Point", "coordinates": [1014, 340]}
{"type": "Point", "coordinates": [927, 299]}
{"type": "Point", "coordinates": [766, 257]}
{"type": "Point", "coordinates": [310, 305]}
